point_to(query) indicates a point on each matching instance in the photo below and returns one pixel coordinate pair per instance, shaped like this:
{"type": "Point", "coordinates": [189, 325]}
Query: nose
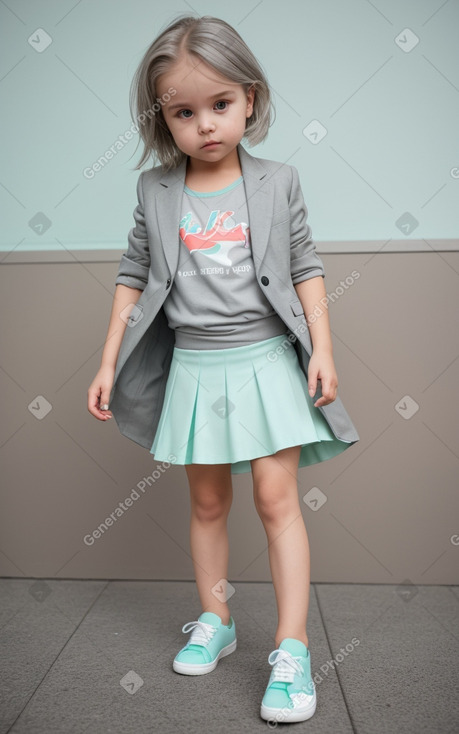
{"type": "Point", "coordinates": [205, 125]}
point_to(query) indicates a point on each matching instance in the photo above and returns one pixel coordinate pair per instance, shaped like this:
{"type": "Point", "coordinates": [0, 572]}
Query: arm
{"type": "Point", "coordinates": [134, 266]}
{"type": "Point", "coordinates": [321, 366]}
{"type": "Point", "coordinates": [124, 297]}
{"type": "Point", "coordinates": [312, 295]}
{"type": "Point", "coordinates": [132, 278]}
{"type": "Point", "coordinates": [100, 388]}
{"type": "Point", "coordinates": [308, 273]}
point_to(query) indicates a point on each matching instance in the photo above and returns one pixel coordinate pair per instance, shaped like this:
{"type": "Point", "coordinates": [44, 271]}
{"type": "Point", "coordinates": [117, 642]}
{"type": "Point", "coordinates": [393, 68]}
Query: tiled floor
{"type": "Point", "coordinates": [73, 654]}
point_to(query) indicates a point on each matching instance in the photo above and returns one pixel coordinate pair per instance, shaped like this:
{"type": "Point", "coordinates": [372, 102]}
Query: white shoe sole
{"type": "Point", "coordinates": [202, 668]}
{"type": "Point", "coordinates": [287, 714]}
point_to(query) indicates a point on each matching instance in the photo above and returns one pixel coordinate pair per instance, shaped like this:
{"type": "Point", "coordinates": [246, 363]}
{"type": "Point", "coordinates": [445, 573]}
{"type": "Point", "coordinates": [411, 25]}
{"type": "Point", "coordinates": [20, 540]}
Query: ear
{"type": "Point", "coordinates": [250, 100]}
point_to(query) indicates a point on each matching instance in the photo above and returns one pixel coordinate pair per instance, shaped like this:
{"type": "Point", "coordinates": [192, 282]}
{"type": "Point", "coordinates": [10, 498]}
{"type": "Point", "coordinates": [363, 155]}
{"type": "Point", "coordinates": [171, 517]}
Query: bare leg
{"type": "Point", "coordinates": [211, 495]}
{"type": "Point", "coordinates": [275, 490]}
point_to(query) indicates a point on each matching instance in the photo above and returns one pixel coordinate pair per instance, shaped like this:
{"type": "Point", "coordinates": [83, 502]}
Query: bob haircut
{"type": "Point", "coordinates": [215, 42]}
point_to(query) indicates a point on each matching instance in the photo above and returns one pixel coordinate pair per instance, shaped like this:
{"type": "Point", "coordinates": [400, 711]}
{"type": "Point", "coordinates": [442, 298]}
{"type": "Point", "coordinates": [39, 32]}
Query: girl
{"type": "Point", "coordinates": [219, 372]}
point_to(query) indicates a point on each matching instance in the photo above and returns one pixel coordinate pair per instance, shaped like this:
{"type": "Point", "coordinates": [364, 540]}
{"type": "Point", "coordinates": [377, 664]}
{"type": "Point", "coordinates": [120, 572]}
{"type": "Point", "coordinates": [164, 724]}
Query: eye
{"type": "Point", "coordinates": [220, 109]}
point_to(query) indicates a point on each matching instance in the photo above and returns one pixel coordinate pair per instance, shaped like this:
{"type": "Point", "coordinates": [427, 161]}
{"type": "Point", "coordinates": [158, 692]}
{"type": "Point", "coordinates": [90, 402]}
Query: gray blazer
{"type": "Point", "coordinates": [278, 226]}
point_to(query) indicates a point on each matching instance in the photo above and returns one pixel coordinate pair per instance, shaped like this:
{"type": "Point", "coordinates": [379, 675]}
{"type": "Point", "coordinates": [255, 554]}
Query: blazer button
{"type": "Point", "coordinates": [168, 283]}
{"type": "Point", "coordinates": [264, 280]}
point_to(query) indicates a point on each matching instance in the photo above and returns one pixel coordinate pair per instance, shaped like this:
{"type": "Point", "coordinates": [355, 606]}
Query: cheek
{"type": "Point", "coordinates": [176, 129]}
{"type": "Point", "coordinates": [181, 132]}
{"type": "Point", "coordinates": [172, 122]}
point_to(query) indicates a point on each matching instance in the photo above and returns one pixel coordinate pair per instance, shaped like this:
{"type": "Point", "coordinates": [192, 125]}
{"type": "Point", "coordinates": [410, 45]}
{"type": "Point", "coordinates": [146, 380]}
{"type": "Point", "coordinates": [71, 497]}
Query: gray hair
{"type": "Point", "coordinates": [216, 43]}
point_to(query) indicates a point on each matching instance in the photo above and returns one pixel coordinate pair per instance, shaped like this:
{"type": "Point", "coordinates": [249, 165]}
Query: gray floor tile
{"type": "Point", "coordinates": [66, 653]}
{"type": "Point", "coordinates": [403, 674]}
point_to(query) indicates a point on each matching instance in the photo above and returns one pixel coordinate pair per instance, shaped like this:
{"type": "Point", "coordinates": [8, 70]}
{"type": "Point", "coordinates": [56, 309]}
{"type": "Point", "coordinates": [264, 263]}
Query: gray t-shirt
{"type": "Point", "coordinates": [215, 300]}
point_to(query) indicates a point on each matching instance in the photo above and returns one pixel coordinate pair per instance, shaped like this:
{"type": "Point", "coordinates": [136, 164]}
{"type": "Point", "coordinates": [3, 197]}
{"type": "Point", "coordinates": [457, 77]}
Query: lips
{"type": "Point", "coordinates": [211, 142]}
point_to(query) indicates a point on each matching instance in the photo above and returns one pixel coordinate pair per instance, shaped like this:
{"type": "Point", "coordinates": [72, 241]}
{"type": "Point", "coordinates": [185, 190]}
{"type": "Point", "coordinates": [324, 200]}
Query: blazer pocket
{"type": "Point", "coordinates": [297, 308]}
{"type": "Point", "coordinates": [280, 217]}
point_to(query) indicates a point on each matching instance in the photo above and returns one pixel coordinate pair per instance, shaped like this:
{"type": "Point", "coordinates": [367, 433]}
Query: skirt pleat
{"type": "Point", "coordinates": [233, 405]}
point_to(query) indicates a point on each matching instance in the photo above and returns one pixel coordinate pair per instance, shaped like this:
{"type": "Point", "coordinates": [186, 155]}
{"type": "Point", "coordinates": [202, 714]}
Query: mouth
{"type": "Point", "coordinates": [211, 144]}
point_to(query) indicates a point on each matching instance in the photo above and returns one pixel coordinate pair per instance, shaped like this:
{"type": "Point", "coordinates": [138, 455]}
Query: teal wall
{"type": "Point", "coordinates": [390, 153]}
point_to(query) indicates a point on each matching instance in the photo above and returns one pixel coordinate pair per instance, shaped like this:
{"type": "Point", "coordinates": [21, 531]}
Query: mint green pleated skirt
{"type": "Point", "coordinates": [232, 405]}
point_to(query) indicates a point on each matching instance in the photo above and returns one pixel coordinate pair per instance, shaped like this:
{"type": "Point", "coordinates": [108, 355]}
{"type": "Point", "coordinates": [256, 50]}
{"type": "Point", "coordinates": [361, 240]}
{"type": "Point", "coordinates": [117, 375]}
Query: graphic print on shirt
{"type": "Point", "coordinates": [217, 238]}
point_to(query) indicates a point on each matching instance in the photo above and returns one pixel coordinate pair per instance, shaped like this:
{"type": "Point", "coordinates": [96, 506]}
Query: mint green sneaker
{"type": "Point", "coordinates": [290, 694]}
{"type": "Point", "coordinates": [209, 641]}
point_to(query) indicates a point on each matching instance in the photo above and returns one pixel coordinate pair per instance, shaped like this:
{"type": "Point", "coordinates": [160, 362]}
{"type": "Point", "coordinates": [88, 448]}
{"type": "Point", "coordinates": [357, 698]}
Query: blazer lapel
{"type": "Point", "coordinates": [260, 203]}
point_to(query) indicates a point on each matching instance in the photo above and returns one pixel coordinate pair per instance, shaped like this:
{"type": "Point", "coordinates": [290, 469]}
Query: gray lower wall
{"type": "Point", "coordinates": [391, 514]}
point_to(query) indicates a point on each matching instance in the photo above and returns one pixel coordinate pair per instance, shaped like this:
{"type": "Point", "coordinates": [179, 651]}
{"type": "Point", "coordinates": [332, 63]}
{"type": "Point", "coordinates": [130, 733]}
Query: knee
{"type": "Point", "coordinates": [272, 502]}
{"type": "Point", "coordinates": [208, 506]}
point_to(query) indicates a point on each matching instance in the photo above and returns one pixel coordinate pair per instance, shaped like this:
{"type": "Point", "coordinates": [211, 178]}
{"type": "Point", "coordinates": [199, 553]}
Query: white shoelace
{"type": "Point", "coordinates": [202, 632]}
{"type": "Point", "coordinates": [285, 666]}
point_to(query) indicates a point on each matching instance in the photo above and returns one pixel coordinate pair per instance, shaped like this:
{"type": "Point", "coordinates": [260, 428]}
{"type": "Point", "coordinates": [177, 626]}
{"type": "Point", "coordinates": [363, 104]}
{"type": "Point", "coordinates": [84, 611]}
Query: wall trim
{"type": "Point", "coordinates": [343, 247]}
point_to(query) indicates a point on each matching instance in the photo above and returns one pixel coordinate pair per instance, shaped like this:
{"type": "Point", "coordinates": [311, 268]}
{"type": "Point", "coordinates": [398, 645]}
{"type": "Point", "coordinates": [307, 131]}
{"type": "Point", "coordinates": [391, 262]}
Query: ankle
{"type": "Point", "coordinates": [224, 616]}
{"type": "Point", "coordinates": [302, 639]}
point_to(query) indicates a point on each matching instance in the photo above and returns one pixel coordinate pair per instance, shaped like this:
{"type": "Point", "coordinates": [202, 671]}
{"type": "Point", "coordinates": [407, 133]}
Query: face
{"type": "Point", "coordinates": [206, 106]}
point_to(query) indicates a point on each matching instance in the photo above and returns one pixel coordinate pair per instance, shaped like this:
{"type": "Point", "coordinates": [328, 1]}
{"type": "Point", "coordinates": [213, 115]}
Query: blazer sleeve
{"type": "Point", "coordinates": [135, 263]}
{"type": "Point", "coordinates": [304, 260]}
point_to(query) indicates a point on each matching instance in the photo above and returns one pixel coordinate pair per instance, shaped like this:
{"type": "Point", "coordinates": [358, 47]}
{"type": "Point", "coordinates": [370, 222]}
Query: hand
{"type": "Point", "coordinates": [321, 367]}
{"type": "Point", "coordinates": [99, 393]}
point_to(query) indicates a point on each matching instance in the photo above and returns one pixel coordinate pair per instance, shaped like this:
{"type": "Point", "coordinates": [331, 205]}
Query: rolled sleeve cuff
{"type": "Point", "coordinates": [132, 274]}
{"type": "Point", "coordinates": [307, 274]}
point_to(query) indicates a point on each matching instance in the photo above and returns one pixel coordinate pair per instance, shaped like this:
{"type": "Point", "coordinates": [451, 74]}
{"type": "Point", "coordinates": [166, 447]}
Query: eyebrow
{"type": "Point", "coordinates": [213, 96]}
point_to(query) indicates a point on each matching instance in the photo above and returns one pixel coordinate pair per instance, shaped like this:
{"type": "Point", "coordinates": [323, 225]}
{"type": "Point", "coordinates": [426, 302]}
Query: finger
{"type": "Point", "coordinates": [325, 399]}
{"type": "Point", "coordinates": [93, 405]}
{"type": "Point", "coordinates": [104, 398]}
{"type": "Point", "coordinates": [312, 383]}
{"type": "Point", "coordinates": [327, 390]}
{"type": "Point", "coordinates": [93, 402]}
